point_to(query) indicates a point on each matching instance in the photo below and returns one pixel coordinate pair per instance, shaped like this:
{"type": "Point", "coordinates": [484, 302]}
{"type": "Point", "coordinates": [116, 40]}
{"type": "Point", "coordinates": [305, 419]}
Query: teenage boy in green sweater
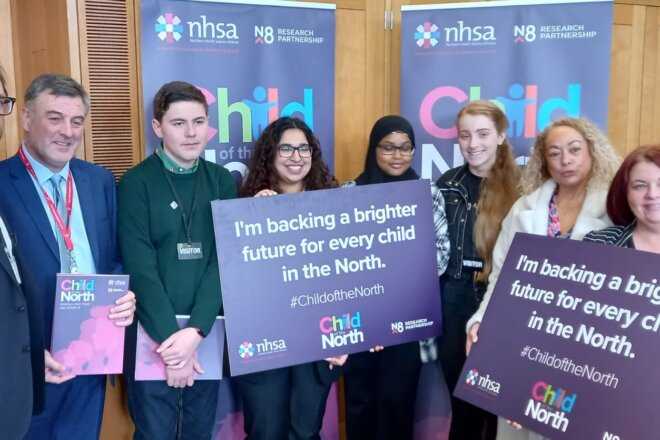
{"type": "Point", "coordinates": [168, 247]}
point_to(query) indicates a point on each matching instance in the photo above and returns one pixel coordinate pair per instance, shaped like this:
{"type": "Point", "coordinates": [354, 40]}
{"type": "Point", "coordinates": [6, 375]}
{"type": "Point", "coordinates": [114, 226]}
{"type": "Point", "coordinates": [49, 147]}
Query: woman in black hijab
{"type": "Point", "coordinates": [381, 385]}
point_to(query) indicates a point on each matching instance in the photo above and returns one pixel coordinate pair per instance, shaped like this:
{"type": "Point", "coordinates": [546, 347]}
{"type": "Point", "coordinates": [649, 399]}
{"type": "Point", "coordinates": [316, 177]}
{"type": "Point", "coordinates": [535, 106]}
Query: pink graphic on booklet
{"type": "Point", "coordinates": [84, 338]}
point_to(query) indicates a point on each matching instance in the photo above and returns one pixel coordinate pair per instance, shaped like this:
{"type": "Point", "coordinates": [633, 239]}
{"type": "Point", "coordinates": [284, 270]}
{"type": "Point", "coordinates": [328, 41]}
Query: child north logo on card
{"type": "Point", "coordinates": [549, 405]}
{"type": "Point", "coordinates": [84, 339]}
{"type": "Point", "coordinates": [339, 331]}
{"type": "Point", "coordinates": [482, 382]}
{"type": "Point", "coordinates": [77, 292]}
{"type": "Point", "coordinates": [248, 350]}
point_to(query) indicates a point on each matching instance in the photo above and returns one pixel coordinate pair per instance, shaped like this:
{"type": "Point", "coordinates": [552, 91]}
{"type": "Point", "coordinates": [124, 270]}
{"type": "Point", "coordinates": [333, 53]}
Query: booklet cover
{"type": "Point", "coordinates": [84, 339]}
{"type": "Point", "coordinates": [210, 353]}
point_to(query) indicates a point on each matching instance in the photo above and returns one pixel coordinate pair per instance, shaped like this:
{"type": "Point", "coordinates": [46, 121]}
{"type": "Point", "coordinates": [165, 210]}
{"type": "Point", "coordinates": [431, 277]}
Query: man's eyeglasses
{"type": "Point", "coordinates": [404, 149]}
{"type": "Point", "coordinates": [286, 150]}
{"type": "Point", "coordinates": [6, 105]}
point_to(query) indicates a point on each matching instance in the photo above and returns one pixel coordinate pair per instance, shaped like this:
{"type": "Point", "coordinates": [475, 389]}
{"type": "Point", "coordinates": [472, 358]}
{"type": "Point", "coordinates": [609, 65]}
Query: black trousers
{"type": "Point", "coordinates": [287, 403]}
{"type": "Point", "coordinates": [381, 389]}
{"type": "Point", "coordinates": [460, 300]}
{"type": "Point", "coordinates": [165, 413]}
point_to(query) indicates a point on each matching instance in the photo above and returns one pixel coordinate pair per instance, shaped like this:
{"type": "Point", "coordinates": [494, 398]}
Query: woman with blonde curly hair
{"type": "Point", "coordinates": [565, 187]}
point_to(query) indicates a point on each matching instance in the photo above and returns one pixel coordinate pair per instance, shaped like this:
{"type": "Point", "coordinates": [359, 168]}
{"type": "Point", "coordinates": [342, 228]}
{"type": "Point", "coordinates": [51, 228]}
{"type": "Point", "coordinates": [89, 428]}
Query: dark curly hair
{"type": "Point", "coordinates": [261, 169]}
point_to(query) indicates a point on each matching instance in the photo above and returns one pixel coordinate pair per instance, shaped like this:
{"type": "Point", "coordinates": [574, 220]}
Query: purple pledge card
{"type": "Point", "coordinates": [84, 339]}
{"type": "Point", "coordinates": [150, 366]}
{"type": "Point", "coordinates": [569, 344]}
{"type": "Point", "coordinates": [322, 273]}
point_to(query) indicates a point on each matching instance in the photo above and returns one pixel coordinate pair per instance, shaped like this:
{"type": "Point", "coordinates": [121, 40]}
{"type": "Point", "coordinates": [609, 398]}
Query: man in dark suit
{"type": "Point", "coordinates": [35, 186]}
{"type": "Point", "coordinates": [14, 325]}
{"type": "Point", "coordinates": [15, 341]}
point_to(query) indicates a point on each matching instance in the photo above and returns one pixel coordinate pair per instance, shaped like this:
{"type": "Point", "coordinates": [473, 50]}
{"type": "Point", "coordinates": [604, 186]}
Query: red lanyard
{"type": "Point", "coordinates": [64, 228]}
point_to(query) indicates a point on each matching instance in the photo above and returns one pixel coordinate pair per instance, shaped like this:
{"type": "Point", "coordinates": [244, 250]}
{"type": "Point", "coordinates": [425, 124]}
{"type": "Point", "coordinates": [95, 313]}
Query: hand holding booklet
{"type": "Point", "coordinates": [84, 339]}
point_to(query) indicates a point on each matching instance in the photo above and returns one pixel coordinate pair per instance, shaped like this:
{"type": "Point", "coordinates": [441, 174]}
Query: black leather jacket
{"type": "Point", "coordinates": [457, 207]}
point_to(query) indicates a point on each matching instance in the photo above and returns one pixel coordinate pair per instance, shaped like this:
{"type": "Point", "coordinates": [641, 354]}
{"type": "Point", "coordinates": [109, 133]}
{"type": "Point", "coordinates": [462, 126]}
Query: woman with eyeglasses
{"type": "Point", "coordinates": [564, 187]}
{"type": "Point", "coordinates": [381, 385]}
{"type": "Point", "coordinates": [287, 403]}
{"type": "Point", "coordinates": [6, 104]}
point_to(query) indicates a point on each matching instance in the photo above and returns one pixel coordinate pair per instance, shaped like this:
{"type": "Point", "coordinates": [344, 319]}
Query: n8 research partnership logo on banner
{"type": "Point", "coordinates": [266, 34]}
{"type": "Point", "coordinates": [538, 62]}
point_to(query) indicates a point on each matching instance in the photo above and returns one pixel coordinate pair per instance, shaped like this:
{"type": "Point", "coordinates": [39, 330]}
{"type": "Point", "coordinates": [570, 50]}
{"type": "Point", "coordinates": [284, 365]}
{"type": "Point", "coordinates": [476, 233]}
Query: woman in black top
{"type": "Point", "coordinates": [381, 386]}
{"type": "Point", "coordinates": [477, 197]}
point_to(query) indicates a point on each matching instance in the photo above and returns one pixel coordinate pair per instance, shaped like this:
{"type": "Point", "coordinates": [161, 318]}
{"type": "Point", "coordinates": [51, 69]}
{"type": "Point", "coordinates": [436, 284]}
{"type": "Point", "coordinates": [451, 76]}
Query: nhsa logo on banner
{"type": "Point", "coordinates": [171, 29]}
{"type": "Point", "coordinates": [428, 35]}
{"type": "Point", "coordinates": [549, 405]}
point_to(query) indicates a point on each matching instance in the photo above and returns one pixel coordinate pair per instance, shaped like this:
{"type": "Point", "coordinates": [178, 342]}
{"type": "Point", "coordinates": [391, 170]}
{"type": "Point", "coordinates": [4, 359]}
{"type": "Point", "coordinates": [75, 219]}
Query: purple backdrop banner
{"type": "Point", "coordinates": [537, 61]}
{"type": "Point", "coordinates": [254, 63]}
{"type": "Point", "coordinates": [248, 61]}
{"type": "Point", "coordinates": [307, 276]}
{"type": "Point", "coordinates": [578, 355]}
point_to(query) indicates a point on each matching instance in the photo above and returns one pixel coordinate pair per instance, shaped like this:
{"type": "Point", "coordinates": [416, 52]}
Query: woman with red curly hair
{"type": "Point", "coordinates": [287, 403]}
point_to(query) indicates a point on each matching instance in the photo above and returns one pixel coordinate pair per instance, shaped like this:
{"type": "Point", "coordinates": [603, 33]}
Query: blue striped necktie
{"type": "Point", "coordinates": [65, 261]}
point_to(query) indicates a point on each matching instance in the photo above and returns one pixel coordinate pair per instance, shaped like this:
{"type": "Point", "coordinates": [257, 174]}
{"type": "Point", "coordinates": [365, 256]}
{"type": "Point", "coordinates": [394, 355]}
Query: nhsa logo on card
{"type": "Point", "coordinates": [549, 405]}
{"type": "Point", "coordinates": [338, 331]}
{"type": "Point", "coordinates": [460, 33]}
{"type": "Point", "coordinates": [248, 350]}
{"type": "Point", "coordinates": [77, 291]}
{"type": "Point", "coordinates": [482, 382]}
{"type": "Point", "coordinates": [171, 29]}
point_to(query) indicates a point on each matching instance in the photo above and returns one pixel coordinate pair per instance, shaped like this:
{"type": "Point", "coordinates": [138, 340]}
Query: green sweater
{"type": "Point", "coordinates": [149, 229]}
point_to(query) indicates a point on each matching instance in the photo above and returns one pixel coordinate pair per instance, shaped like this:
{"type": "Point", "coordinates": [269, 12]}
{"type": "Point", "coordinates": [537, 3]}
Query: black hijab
{"type": "Point", "coordinates": [372, 172]}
